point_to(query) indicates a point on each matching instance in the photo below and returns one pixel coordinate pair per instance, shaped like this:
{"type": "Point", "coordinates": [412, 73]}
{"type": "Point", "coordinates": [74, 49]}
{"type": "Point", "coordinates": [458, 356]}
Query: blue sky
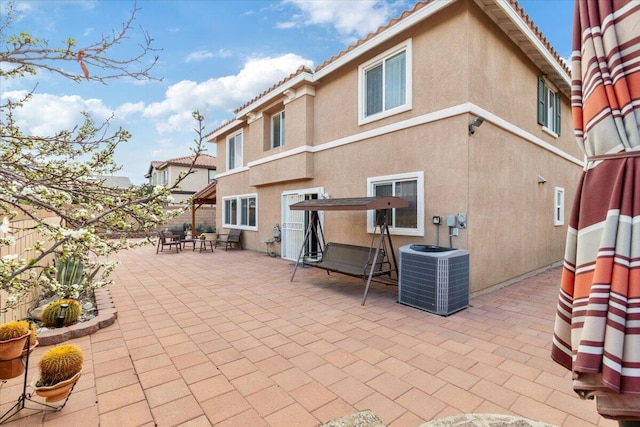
{"type": "Point", "coordinates": [215, 56]}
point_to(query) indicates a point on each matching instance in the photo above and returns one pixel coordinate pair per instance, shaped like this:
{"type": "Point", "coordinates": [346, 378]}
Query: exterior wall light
{"type": "Point", "coordinates": [475, 124]}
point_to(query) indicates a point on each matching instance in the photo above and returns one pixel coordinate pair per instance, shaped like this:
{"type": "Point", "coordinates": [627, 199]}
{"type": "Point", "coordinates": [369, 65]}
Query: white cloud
{"type": "Point", "coordinates": [198, 56]}
{"type": "Point", "coordinates": [347, 17]}
{"type": "Point", "coordinates": [226, 93]}
{"type": "Point", "coordinates": [129, 108]}
{"type": "Point", "coordinates": [46, 114]}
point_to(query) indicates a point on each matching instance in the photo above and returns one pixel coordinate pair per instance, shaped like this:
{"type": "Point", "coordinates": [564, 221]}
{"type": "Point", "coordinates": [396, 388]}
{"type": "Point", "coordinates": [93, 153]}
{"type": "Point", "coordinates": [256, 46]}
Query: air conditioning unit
{"type": "Point", "coordinates": [433, 278]}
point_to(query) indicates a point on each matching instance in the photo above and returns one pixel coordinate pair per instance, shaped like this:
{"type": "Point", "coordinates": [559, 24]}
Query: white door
{"type": "Point", "coordinates": [294, 223]}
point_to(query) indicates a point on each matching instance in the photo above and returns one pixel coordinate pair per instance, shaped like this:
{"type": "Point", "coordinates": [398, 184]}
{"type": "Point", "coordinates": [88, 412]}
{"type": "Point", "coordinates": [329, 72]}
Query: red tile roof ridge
{"type": "Point", "coordinates": [202, 160]}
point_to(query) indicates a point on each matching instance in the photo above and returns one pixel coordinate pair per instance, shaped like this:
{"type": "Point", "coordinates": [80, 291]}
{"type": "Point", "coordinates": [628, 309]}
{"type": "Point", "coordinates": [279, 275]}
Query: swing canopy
{"type": "Point", "coordinates": [350, 204]}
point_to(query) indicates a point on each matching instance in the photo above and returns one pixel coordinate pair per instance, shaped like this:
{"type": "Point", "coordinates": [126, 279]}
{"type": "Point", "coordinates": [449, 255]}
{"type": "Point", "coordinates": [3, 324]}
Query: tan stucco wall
{"type": "Point", "coordinates": [492, 176]}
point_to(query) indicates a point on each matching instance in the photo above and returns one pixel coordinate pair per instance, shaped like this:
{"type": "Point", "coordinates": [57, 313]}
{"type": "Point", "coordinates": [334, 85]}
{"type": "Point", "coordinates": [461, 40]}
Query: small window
{"type": "Point", "coordinates": [558, 204]}
{"type": "Point", "coordinates": [406, 221]}
{"type": "Point", "coordinates": [234, 151]}
{"type": "Point", "coordinates": [385, 84]}
{"type": "Point", "coordinates": [165, 177]}
{"type": "Point", "coordinates": [241, 211]}
{"type": "Point", "coordinates": [277, 130]}
{"type": "Point", "coordinates": [548, 106]}
{"type": "Point", "coordinates": [211, 175]}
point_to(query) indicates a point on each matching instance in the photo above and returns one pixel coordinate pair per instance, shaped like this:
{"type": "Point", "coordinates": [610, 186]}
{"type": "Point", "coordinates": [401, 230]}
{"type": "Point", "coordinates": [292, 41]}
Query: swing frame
{"type": "Point", "coordinates": [351, 260]}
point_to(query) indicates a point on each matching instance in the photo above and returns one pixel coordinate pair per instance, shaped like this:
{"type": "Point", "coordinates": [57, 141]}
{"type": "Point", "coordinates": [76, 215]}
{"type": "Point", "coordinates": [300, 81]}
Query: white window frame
{"type": "Point", "coordinates": [279, 141]}
{"type": "Point", "coordinates": [211, 175]}
{"type": "Point", "coordinates": [410, 176]}
{"type": "Point", "coordinates": [165, 177]}
{"type": "Point", "coordinates": [238, 199]}
{"type": "Point", "coordinates": [237, 159]}
{"type": "Point", "coordinates": [405, 46]}
{"type": "Point", "coordinates": [558, 206]}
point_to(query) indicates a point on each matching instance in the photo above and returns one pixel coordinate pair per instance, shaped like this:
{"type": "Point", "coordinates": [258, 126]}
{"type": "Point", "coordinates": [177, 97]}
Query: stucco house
{"type": "Point", "coordinates": [460, 107]}
{"type": "Point", "coordinates": [167, 171]}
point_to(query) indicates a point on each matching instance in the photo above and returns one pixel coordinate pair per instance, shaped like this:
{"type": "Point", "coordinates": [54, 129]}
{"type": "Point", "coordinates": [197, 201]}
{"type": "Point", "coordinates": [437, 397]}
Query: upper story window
{"type": "Point", "coordinates": [234, 151]}
{"type": "Point", "coordinates": [558, 205]}
{"type": "Point", "coordinates": [165, 177]}
{"type": "Point", "coordinates": [240, 211]}
{"type": "Point", "coordinates": [548, 106]}
{"type": "Point", "coordinates": [385, 84]}
{"type": "Point", "coordinates": [154, 178]}
{"type": "Point", "coordinates": [277, 130]}
{"type": "Point", "coordinates": [409, 186]}
{"type": "Point", "coordinates": [211, 175]}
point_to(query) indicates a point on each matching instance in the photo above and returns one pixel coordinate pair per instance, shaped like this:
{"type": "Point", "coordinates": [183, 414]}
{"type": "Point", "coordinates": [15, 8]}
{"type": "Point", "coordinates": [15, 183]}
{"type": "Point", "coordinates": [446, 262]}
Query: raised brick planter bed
{"type": "Point", "coordinates": [107, 315]}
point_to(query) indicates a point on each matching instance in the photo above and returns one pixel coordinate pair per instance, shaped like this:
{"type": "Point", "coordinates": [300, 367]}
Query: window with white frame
{"type": "Point", "coordinates": [385, 84]}
{"type": "Point", "coordinates": [240, 211]}
{"type": "Point", "coordinates": [558, 205]}
{"type": "Point", "coordinates": [409, 186]}
{"type": "Point", "coordinates": [548, 106]}
{"type": "Point", "coordinates": [211, 175]}
{"type": "Point", "coordinates": [277, 130]}
{"type": "Point", "coordinates": [165, 177]}
{"type": "Point", "coordinates": [234, 151]}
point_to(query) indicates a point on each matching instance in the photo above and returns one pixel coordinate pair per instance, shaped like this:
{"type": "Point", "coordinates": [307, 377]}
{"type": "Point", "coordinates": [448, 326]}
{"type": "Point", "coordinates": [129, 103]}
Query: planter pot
{"type": "Point", "coordinates": [11, 368]}
{"type": "Point", "coordinates": [12, 348]}
{"type": "Point", "coordinates": [210, 236]}
{"type": "Point", "coordinates": [33, 345]}
{"type": "Point", "coordinates": [57, 392]}
{"type": "Point", "coordinates": [14, 367]}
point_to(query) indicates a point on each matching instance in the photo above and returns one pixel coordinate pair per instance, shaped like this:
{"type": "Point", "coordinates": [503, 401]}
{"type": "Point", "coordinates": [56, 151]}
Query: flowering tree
{"type": "Point", "coordinates": [56, 173]}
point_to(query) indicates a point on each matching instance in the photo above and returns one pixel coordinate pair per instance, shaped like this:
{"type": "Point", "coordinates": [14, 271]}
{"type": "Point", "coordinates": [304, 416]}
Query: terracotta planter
{"type": "Point", "coordinates": [57, 392]}
{"type": "Point", "coordinates": [11, 368]}
{"type": "Point", "coordinates": [12, 348]}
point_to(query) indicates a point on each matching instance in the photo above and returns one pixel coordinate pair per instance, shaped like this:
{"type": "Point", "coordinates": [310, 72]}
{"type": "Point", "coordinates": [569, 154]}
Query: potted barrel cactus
{"type": "Point", "coordinates": [13, 345]}
{"type": "Point", "coordinates": [13, 336]}
{"type": "Point", "coordinates": [60, 369]}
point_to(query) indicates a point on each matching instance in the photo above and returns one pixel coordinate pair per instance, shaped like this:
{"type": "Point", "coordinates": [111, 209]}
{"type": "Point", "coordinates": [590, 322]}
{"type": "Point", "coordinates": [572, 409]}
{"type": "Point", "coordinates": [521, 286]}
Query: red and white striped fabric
{"type": "Point", "coordinates": [597, 328]}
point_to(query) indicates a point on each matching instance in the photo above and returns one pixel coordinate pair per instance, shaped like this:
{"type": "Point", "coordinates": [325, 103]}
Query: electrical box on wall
{"type": "Point", "coordinates": [451, 221]}
{"type": "Point", "coordinates": [462, 220]}
{"type": "Point", "coordinates": [437, 220]}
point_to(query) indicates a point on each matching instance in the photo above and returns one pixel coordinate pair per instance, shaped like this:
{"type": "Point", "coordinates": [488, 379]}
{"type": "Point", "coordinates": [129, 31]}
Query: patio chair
{"type": "Point", "coordinates": [166, 239]}
{"type": "Point", "coordinates": [230, 239]}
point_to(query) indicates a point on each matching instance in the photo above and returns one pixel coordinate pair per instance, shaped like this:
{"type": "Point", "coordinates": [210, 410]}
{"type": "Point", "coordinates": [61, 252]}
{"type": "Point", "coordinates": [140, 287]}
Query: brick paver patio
{"type": "Point", "coordinates": [226, 339]}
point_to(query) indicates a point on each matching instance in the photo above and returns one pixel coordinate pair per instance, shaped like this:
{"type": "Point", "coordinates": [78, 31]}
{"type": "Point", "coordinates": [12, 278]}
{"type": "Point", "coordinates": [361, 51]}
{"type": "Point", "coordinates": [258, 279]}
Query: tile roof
{"type": "Point", "coordinates": [485, 5]}
{"type": "Point", "coordinates": [203, 161]}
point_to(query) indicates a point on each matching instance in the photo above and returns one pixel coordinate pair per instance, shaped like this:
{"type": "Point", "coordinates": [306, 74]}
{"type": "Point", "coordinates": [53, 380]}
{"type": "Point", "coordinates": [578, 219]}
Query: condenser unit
{"type": "Point", "coordinates": [434, 279]}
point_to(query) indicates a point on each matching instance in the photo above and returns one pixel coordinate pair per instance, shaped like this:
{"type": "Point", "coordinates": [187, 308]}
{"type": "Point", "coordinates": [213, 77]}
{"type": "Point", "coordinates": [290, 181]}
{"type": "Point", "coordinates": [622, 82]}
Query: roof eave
{"type": "Point", "coordinates": [296, 81]}
{"type": "Point", "coordinates": [226, 128]}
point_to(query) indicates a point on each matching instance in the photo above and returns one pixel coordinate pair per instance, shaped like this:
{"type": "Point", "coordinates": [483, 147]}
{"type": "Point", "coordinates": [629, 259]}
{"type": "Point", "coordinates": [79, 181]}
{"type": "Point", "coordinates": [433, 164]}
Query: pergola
{"type": "Point", "coordinates": [206, 196]}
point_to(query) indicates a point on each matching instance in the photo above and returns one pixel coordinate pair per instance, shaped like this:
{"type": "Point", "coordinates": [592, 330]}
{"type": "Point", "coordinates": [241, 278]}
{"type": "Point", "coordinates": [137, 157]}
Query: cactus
{"type": "Point", "coordinates": [13, 329]}
{"type": "Point", "coordinates": [69, 271]}
{"type": "Point", "coordinates": [60, 363]}
{"type": "Point", "coordinates": [52, 310]}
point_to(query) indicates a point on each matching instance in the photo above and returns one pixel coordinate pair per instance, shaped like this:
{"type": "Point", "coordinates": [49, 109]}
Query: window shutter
{"type": "Point", "coordinates": [558, 116]}
{"type": "Point", "coordinates": [542, 97]}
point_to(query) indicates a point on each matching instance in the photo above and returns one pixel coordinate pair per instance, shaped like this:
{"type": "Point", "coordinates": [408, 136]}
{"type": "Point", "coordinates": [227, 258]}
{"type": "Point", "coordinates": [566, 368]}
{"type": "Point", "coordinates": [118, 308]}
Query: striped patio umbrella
{"type": "Point", "coordinates": [597, 328]}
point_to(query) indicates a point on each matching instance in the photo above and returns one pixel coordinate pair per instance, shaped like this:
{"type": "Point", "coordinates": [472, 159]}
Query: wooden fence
{"type": "Point", "coordinates": [25, 238]}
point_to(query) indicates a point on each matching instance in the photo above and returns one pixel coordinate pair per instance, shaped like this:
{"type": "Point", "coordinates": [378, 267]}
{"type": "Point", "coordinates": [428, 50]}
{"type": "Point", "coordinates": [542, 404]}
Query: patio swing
{"type": "Point", "coordinates": [369, 263]}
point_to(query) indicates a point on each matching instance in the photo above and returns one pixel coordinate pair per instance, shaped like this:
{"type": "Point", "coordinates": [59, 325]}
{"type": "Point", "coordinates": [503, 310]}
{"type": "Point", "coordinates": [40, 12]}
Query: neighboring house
{"type": "Point", "coordinates": [166, 172]}
{"type": "Point", "coordinates": [392, 115]}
